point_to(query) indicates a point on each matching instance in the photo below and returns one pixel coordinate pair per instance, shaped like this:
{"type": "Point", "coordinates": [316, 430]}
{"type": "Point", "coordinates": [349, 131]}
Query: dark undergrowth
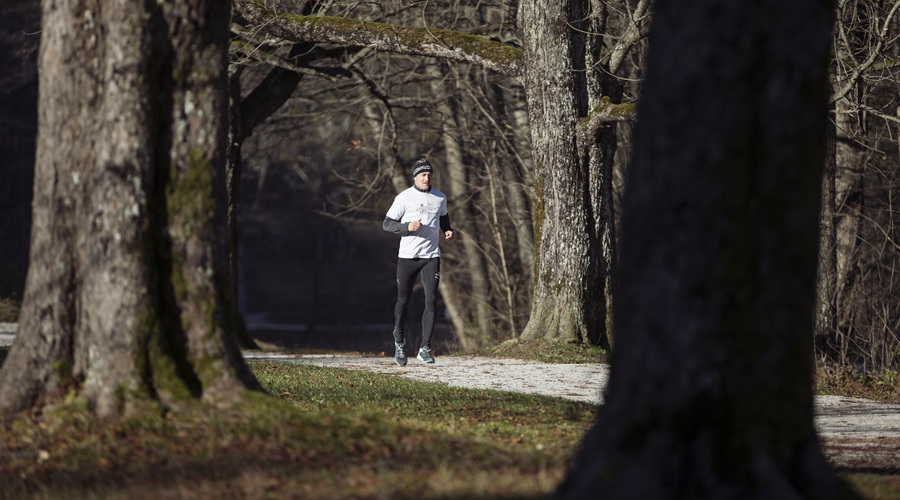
{"type": "Point", "coordinates": [842, 380]}
{"type": "Point", "coordinates": [9, 310]}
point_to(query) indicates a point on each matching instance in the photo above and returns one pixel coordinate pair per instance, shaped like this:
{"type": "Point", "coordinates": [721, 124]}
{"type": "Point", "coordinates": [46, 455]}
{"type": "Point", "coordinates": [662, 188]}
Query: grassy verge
{"type": "Point", "coordinates": [330, 433]}
{"type": "Point", "coordinates": [547, 351]}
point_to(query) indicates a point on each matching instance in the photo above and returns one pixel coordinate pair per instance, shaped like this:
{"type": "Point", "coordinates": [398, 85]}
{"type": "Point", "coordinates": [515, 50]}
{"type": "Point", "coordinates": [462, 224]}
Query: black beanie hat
{"type": "Point", "coordinates": [420, 166]}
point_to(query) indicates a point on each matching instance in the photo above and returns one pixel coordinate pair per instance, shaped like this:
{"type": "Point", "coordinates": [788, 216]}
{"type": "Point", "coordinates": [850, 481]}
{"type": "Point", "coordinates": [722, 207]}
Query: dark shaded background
{"type": "Point", "coordinates": [19, 39]}
{"type": "Point", "coordinates": [308, 280]}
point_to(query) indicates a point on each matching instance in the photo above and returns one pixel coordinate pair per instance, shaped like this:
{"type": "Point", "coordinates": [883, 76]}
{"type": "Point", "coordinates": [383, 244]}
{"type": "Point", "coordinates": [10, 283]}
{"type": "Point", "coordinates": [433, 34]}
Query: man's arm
{"type": "Point", "coordinates": [445, 223]}
{"type": "Point", "coordinates": [445, 227]}
{"type": "Point", "coordinates": [395, 226]}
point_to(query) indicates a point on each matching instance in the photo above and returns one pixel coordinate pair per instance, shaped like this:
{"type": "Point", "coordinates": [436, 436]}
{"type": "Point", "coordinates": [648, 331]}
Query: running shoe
{"type": "Point", "coordinates": [425, 355]}
{"type": "Point", "coordinates": [399, 355]}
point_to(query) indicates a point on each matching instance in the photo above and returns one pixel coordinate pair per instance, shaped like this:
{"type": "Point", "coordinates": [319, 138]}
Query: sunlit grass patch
{"type": "Point", "coordinates": [435, 410]}
{"type": "Point", "coordinates": [328, 433]}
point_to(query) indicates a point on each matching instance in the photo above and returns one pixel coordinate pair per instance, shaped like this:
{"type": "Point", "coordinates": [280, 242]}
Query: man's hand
{"type": "Point", "coordinates": [414, 226]}
{"type": "Point", "coordinates": [448, 235]}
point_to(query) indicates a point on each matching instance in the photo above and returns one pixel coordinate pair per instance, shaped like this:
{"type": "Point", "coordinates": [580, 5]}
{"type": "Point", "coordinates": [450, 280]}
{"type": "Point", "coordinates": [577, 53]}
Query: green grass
{"type": "Point", "coordinates": [330, 433]}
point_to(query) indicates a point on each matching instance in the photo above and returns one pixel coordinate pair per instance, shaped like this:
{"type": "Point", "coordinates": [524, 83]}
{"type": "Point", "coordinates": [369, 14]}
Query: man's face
{"type": "Point", "coordinates": [423, 180]}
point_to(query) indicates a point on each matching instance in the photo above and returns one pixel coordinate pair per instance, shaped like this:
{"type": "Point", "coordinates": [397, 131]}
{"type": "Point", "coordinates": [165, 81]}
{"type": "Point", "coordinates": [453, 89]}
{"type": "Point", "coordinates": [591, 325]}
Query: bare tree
{"type": "Point", "coordinates": [718, 257]}
{"type": "Point", "coordinates": [120, 301]}
{"type": "Point", "coordinates": [859, 313]}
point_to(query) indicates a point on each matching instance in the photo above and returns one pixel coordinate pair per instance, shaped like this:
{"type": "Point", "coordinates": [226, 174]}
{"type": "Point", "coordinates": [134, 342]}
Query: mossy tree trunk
{"type": "Point", "coordinates": [566, 272]}
{"type": "Point", "coordinates": [710, 394]}
{"type": "Point", "coordinates": [120, 302]}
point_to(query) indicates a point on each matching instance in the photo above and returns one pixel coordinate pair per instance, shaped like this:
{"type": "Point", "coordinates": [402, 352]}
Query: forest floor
{"type": "Point", "coordinates": [857, 434]}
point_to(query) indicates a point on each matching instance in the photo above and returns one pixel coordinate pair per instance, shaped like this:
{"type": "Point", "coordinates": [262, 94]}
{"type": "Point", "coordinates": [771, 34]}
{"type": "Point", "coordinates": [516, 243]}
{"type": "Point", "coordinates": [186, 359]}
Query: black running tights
{"type": "Point", "coordinates": [429, 270]}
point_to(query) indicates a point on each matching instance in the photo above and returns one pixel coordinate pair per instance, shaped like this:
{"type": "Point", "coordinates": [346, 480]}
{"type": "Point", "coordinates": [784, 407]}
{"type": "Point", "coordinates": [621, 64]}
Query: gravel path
{"type": "Point", "coordinates": [856, 433]}
{"type": "Point", "coordinates": [7, 333]}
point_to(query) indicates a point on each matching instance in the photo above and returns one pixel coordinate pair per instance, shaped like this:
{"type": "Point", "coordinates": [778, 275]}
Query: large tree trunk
{"type": "Point", "coordinates": [710, 394]}
{"type": "Point", "coordinates": [564, 265]}
{"type": "Point", "coordinates": [121, 294]}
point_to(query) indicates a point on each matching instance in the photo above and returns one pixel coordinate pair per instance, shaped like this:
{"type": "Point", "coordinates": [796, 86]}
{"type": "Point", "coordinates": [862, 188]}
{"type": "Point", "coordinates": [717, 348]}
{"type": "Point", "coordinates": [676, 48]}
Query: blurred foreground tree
{"type": "Point", "coordinates": [710, 394]}
{"type": "Point", "coordinates": [121, 303]}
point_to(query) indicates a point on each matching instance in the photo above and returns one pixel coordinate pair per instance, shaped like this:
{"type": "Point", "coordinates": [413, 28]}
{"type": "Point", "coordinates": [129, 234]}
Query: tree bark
{"type": "Point", "coordinates": [718, 260]}
{"type": "Point", "coordinates": [564, 267]}
{"type": "Point", "coordinates": [517, 181]}
{"type": "Point", "coordinates": [120, 301]}
{"type": "Point", "coordinates": [848, 205]}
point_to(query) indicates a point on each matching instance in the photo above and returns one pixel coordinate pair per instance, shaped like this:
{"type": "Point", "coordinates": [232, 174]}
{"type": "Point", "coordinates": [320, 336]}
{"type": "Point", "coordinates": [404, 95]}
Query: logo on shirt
{"type": "Point", "coordinates": [426, 208]}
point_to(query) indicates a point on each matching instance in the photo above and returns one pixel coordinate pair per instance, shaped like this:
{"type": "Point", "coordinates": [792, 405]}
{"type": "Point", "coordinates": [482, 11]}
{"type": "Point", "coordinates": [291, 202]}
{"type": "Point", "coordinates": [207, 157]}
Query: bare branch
{"type": "Point", "coordinates": [637, 29]}
{"type": "Point", "coordinates": [447, 44]}
{"type": "Point", "coordinates": [874, 55]}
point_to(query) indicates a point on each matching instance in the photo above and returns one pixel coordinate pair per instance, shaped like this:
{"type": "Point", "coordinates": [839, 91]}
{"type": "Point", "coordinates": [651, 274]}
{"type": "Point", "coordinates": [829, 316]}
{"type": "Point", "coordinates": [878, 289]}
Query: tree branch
{"type": "Point", "coordinates": [446, 44]}
{"type": "Point", "coordinates": [877, 51]}
{"type": "Point", "coordinates": [606, 112]}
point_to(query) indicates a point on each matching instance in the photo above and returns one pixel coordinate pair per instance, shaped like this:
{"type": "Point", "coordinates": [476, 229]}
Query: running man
{"type": "Point", "coordinates": [419, 216]}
